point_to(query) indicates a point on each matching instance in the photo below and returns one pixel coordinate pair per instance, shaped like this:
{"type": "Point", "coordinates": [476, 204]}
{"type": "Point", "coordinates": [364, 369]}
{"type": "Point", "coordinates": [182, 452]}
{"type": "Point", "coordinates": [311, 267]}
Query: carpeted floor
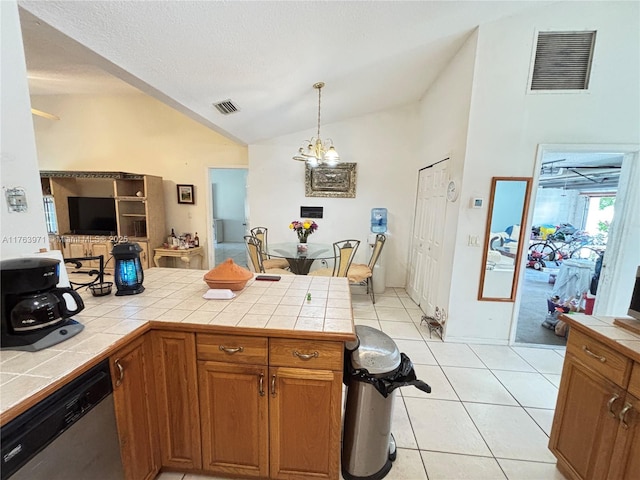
{"type": "Point", "coordinates": [533, 310]}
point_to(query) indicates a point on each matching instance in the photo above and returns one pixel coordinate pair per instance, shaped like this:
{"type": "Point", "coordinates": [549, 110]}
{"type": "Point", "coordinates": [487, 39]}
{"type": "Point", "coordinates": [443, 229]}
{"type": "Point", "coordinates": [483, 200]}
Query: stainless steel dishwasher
{"type": "Point", "coordinates": [71, 434]}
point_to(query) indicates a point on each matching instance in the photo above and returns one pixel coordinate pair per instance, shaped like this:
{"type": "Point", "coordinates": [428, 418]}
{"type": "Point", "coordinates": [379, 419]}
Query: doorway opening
{"type": "Point", "coordinates": [570, 226]}
{"type": "Point", "coordinates": [228, 215]}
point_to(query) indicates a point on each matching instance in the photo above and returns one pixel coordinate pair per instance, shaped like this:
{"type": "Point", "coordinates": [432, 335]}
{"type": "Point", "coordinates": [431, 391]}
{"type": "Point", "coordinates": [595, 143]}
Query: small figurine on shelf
{"type": "Point", "coordinates": [187, 240]}
{"type": "Point", "coordinates": [196, 240]}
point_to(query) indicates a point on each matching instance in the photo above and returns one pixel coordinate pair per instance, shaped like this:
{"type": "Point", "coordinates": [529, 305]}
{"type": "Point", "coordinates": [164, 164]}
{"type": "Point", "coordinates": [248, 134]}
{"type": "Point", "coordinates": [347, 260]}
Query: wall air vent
{"type": "Point", "coordinates": [226, 107]}
{"type": "Point", "coordinates": [563, 60]}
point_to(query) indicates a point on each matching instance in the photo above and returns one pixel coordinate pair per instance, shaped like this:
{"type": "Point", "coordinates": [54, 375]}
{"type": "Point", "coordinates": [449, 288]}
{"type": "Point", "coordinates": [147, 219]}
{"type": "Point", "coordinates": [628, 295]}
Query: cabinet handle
{"type": "Point", "coordinates": [586, 350]}
{"type": "Point", "coordinates": [231, 350]}
{"type": "Point", "coordinates": [610, 403]}
{"type": "Point", "coordinates": [261, 385]}
{"type": "Point", "coordinates": [120, 372]}
{"type": "Point", "coordinates": [623, 413]}
{"type": "Point", "coordinates": [273, 385]}
{"type": "Point", "coordinates": [305, 356]}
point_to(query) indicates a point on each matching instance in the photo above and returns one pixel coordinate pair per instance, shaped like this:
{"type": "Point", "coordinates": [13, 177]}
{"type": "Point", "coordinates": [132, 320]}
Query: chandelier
{"type": "Point", "coordinates": [316, 152]}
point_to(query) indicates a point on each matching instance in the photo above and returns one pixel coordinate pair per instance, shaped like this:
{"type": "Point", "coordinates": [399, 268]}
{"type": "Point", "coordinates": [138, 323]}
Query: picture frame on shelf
{"type": "Point", "coordinates": [186, 194]}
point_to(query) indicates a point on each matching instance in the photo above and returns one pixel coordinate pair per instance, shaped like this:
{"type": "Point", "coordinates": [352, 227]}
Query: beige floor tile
{"type": "Point", "coordinates": [400, 330]}
{"type": "Point", "coordinates": [455, 355]}
{"type": "Point", "coordinates": [417, 351]}
{"type": "Point", "coordinates": [401, 426]}
{"type": "Point", "coordinates": [445, 426]}
{"type": "Point", "coordinates": [543, 417]}
{"type": "Point", "coordinates": [448, 466]}
{"type": "Point", "coordinates": [510, 432]}
{"type": "Point", "coordinates": [554, 379]}
{"type": "Point", "coordinates": [501, 357]}
{"type": "Point", "coordinates": [392, 314]}
{"type": "Point", "coordinates": [365, 312]}
{"type": "Point", "coordinates": [367, 322]}
{"type": "Point", "coordinates": [408, 465]}
{"type": "Point", "coordinates": [545, 360]}
{"type": "Point", "coordinates": [392, 302]}
{"type": "Point", "coordinates": [477, 385]}
{"type": "Point", "coordinates": [529, 389]}
{"type": "Point", "coordinates": [520, 470]}
{"type": "Point", "coordinates": [433, 375]}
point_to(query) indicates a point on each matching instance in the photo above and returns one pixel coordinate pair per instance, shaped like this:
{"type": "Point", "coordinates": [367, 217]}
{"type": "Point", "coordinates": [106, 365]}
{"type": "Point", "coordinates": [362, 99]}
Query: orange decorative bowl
{"type": "Point", "coordinates": [228, 275]}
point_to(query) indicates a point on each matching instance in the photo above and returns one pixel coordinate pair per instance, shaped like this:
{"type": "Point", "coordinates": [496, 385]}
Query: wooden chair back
{"type": "Point", "coordinates": [377, 248]}
{"type": "Point", "coordinates": [261, 234]}
{"type": "Point", "coordinates": [254, 247]}
{"type": "Point", "coordinates": [344, 252]}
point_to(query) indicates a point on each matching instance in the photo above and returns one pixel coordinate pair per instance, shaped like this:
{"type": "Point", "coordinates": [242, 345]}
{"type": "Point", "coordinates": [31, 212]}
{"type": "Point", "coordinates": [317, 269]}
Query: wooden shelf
{"type": "Point", "coordinates": [133, 215]}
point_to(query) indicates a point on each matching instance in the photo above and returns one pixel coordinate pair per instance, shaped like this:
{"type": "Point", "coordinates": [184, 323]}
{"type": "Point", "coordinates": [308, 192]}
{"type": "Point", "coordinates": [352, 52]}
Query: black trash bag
{"type": "Point", "coordinates": [595, 279]}
{"type": "Point", "coordinates": [402, 376]}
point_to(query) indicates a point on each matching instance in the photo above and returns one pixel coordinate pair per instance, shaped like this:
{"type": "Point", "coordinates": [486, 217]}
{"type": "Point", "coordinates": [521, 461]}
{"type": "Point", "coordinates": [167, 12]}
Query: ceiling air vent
{"type": "Point", "coordinates": [226, 107]}
{"type": "Point", "coordinates": [563, 60]}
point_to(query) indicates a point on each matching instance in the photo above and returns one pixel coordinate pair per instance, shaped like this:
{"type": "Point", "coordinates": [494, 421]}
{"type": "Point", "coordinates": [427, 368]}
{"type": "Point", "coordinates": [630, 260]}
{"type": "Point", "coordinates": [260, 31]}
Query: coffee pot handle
{"type": "Point", "coordinates": [64, 310]}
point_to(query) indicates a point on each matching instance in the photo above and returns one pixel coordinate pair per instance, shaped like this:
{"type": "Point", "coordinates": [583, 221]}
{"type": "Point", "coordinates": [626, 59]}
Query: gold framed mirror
{"type": "Point", "coordinates": [505, 239]}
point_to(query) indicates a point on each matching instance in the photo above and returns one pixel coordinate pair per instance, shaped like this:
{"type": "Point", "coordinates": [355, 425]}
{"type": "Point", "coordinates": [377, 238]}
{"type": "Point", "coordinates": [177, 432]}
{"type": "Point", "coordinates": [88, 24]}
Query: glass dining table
{"type": "Point", "coordinates": [300, 261]}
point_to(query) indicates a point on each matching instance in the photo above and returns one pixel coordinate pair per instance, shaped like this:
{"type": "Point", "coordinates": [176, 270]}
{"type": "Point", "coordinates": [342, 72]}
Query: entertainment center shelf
{"type": "Point", "coordinates": [92, 224]}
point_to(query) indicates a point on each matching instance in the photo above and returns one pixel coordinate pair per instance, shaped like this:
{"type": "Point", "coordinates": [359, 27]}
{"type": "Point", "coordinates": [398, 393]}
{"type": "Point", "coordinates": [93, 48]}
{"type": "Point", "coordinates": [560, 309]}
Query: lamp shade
{"type": "Point", "coordinates": [128, 269]}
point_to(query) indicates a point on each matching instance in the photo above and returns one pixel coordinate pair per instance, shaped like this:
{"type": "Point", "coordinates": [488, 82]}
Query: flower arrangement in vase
{"type": "Point", "coordinates": [303, 229]}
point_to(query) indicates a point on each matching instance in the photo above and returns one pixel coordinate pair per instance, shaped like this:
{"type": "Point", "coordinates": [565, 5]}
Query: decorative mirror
{"type": "Point", "coordinates": [505, 238]}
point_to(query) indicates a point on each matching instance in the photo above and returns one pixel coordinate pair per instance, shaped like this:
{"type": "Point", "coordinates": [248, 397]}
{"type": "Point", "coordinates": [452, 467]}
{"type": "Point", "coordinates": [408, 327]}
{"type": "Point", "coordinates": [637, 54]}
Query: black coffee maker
{"type": "Point", "coordinates": [35, 313]}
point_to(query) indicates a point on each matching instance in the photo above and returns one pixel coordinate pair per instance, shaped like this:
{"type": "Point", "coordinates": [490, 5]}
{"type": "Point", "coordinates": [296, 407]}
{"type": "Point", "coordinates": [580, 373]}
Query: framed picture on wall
{"type": "Point", "coordinates": [186, 194]}
{"type": "Point", "coordinates": [337, 182]}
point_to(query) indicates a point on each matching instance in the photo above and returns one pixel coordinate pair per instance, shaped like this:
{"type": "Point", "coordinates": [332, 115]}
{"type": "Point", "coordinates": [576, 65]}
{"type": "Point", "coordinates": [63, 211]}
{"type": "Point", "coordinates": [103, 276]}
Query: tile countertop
{"type": "Point", "coordinates": [175, 295]}
{"type": "Point", "coordinates": [606, 331]}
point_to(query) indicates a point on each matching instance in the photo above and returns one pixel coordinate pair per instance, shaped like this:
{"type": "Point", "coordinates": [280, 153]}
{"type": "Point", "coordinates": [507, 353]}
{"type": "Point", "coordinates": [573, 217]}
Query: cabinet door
{"type": "Point", "coordinates": [132, 380]}
{"type": "Point", "coordinates": [74, 250]}
{"type": "Point", "coordinates": [103, 249]}
{"type": "Point", "coordinates": [234, 413]}
{"type": "Point", "coordinates": [625, 463]}
{"type": "Point", "coordinates": [304, 420]}
{"type": "Point", "coordinates": [176, 381]}
{"type": "Point", "coordinates": [144, 255]}
{"type": "Point", "coordinates": [585, 421]}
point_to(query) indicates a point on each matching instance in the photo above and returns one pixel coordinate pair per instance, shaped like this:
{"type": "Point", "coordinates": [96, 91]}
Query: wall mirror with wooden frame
{"type": "Point", "coordinates": [505, 238]}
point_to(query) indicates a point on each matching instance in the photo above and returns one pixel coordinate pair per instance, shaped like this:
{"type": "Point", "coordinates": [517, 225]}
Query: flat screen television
{"type": "Point", "coordinates": [92, 216]}
{"type": "Point", "coordinates": [634, 306]}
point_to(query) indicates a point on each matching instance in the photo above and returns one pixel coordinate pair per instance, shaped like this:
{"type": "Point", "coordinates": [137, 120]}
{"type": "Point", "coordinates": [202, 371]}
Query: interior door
{"type": "Point", "coordinates": [428, 232]}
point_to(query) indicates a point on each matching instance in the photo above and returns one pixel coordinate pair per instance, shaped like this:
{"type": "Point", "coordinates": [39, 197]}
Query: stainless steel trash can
{"type": "Point", "coordinates": [374, 368]}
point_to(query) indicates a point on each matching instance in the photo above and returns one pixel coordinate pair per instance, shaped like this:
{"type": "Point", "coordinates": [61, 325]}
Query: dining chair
{"type": "Point", "coordinates": [344, 251]}
{"type": "Point", "coordinates": [254, 247]}
{"type": "Point", "coordinates": [362, 274]}
{"type": "Point", "coordinates": [261, 234]}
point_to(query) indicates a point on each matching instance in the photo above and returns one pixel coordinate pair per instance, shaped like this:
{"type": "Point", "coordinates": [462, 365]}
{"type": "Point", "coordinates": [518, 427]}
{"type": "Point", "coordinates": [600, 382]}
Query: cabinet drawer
{"type": "Point", "coordinates": [601, 358]}
{"type": "Point", "coordinates": [285, 352]}
{"type": "Point", "coordinates": [232, 348]}
{"type": "Point", "coordinates": [634, 383]}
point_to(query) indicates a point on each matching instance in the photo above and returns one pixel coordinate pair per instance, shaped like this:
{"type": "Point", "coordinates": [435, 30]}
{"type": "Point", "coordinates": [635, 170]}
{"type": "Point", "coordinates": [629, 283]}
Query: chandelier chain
{"type": "Point", "coordinates": [319, 101]}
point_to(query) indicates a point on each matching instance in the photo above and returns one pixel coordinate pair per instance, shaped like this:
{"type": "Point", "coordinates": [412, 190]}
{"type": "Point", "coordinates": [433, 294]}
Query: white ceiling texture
{"type": "Point", "coordinates": [264, 56]}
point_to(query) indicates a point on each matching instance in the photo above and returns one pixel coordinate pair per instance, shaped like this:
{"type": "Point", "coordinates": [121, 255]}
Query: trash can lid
{"type": "Point", "coordinates": [377, 352]}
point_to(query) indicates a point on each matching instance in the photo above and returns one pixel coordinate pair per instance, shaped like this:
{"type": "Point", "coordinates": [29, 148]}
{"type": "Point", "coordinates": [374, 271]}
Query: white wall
{"type": "Point", "coordinates": [384, 146]}
{"type": "Point", "coordinates": [138, 134]}
{"type": "Point", "coordinates": [507, 124]}
{"type": "Point", "coordinates": [25, 232]}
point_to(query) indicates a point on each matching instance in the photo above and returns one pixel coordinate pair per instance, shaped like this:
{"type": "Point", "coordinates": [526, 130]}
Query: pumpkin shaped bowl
{"type": "Point", "coordinates": [228, 275]}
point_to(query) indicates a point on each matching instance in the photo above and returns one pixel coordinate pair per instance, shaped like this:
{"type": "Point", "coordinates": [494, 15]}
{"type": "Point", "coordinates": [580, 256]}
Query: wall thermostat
{"type": "Point", "coordinates": [477, 202]}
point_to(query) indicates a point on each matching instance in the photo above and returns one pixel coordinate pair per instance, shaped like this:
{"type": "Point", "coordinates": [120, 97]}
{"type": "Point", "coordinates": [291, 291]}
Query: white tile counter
{"type": "Point", "coordinates": [175, 295]}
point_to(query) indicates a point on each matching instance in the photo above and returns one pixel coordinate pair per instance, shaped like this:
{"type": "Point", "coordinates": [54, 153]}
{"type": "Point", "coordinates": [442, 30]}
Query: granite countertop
{"type": "Point", "coordinates": [605, 330]}
{"type": "Point", "coordinates": [175, 296]}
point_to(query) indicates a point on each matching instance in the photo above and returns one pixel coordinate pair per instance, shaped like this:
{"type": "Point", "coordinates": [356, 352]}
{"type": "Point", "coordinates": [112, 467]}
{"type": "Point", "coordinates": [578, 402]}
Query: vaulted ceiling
{"type": "Point", "coordinates": [262, 55]}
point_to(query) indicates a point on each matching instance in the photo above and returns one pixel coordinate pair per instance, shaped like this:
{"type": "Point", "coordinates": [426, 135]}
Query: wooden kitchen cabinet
{"type": "Point", "coordinates": [234, 409]}
{"type": "Point", "coordinates": [305, 407]}
{"type": "Point", "coordinates": [280, 421]}
{"type": "Point", "coordinates": [133, 391]}
{"type": "Point", "coordinates": [176, 381]}
{"type": "Point", "coordinates": [595, 433]}
{"type": "Point", "coordinates": [304, 423]}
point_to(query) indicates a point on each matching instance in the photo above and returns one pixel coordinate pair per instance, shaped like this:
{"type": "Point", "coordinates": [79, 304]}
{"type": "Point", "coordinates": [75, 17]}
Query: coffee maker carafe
{"type": "Point", "coordinates": [35, 314]}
